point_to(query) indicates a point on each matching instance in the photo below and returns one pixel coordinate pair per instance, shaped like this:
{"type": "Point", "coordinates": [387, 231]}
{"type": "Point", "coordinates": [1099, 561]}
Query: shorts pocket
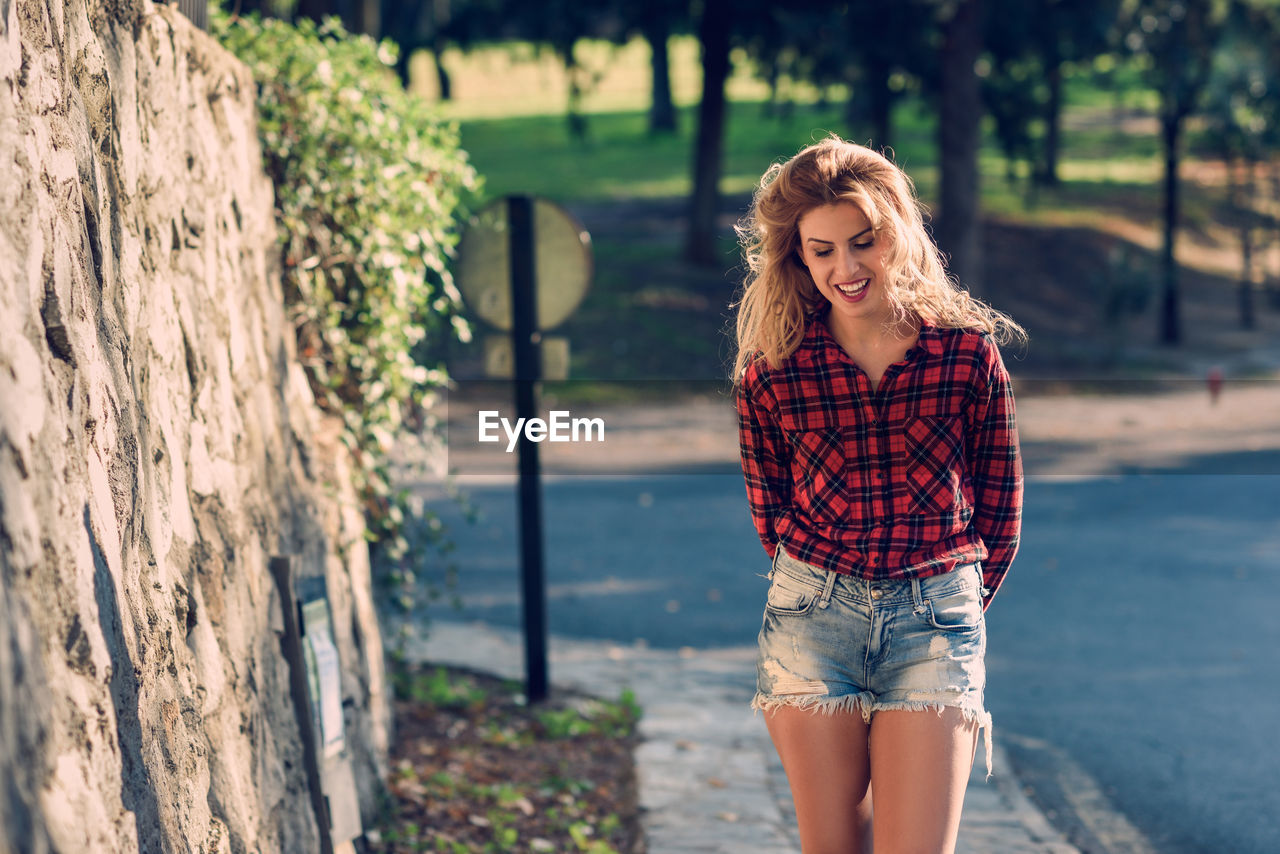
{"type": "Point", "coordinates": [789, 597]}
{"type": "Point", "coordinates": [960, 611]}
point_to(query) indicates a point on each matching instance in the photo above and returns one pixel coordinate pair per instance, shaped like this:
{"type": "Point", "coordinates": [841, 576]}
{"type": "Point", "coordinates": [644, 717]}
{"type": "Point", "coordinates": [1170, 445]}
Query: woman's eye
{"type": "Point", "coordinates": [821, 253]}
{"type": "Point", "coordinates": [866, 245]}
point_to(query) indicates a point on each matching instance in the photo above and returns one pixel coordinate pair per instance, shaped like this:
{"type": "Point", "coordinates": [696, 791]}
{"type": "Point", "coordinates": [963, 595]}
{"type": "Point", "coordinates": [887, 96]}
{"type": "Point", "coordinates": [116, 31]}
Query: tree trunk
{"type": "Point", "coordinates": [440, 15]}
{"type": "Point", "coordinates": [958, 228]}
{"type": "Point", "coordinates": [1170, 327]}
{"type": "Point", "coordinates": [1247, 317]}
{"type": "Point", "coordinates": [313, 9]}
{"type": "Point", "coordinates": [713, 33]}
{"type": "Point", "coordinates": [662, 112]}
{"type": "Point", "coordinates": [1273, 278]}
{"type": "Point", "coordinates": [1047, 174]}
{"type": "Point", "coordinates": [443, 81]}
{"type": "Point", "coordinates": [880, 100]}
{"type": "Point", "coordinates": [370, 19]}
{"type": "Point", "coordinates": [1246, 190]}
{"type": "Point", "coordinates": [402, 63]}
{"type": "Point", "coordinates": [772, 75]}
{"type": "Point", "coordinates": [577, 123]}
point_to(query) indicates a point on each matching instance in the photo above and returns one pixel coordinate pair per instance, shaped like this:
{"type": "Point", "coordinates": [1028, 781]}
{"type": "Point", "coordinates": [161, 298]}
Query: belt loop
{"type": "Point", "coordinates": [916, 596]}
{"type": "Point", "coordinates": [826, 591]}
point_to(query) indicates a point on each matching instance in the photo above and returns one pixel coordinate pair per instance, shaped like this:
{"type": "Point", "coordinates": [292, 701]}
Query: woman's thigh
{"type": "Point", "coordinates": [826, 757]}
{"type": "Point", "coordinates": [920, 763]}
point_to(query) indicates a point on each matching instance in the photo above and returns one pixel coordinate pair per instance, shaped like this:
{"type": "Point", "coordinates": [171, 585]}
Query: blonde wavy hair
{"type": "Point", "coordinates": [779, 295]}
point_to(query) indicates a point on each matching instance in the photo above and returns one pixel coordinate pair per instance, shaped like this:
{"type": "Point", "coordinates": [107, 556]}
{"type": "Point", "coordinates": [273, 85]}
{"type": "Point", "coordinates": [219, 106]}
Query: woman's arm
{"type": "Point", "coordinates": [995, 467]}
{"type": "Point", "coordinates": [765, 457]}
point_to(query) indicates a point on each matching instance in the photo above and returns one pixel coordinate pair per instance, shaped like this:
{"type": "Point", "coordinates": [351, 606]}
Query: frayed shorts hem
{"type": "Point", "coordinates": [867, 705]}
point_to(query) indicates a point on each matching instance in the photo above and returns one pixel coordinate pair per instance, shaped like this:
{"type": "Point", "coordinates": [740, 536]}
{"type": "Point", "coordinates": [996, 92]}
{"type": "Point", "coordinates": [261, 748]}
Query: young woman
{"type": "Point", "coordinates": [882, 470]}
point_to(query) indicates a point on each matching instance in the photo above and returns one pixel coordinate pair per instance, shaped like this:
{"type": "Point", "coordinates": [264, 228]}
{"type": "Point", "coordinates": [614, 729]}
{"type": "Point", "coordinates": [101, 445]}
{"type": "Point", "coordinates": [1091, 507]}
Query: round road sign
{"type": "Point", "coordinates": [562, 259]}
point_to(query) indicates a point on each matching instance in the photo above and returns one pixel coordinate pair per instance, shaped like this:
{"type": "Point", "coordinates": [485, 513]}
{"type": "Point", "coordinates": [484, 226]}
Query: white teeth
{"type": "Point", "coordinates": [851, 290]}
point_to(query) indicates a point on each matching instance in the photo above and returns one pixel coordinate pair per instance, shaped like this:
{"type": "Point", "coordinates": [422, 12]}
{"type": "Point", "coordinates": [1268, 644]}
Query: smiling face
{"type": "Point", "coordinates": [846, 261]}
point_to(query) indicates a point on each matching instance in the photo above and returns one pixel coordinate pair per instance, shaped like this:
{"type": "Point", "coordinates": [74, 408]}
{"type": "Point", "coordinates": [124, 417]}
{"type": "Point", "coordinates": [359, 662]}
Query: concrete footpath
{"type": "Point", "coordinates": [709, 778]}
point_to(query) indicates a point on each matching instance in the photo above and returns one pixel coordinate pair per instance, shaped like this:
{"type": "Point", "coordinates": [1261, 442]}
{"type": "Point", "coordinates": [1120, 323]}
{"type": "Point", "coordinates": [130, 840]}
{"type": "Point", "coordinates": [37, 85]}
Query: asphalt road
{"type": "Point", "coordinates": [1132, 651]}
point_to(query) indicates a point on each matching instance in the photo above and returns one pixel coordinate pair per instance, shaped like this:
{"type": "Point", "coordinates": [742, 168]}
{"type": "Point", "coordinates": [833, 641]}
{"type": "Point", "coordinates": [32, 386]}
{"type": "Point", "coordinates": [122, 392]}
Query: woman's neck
{"type": "Point", "coordinates": [871, 334]}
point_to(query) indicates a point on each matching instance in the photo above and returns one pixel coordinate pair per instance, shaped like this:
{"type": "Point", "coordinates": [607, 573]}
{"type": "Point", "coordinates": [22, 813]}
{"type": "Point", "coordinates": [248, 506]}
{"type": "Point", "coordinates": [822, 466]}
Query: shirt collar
{"type": "Point", "coordinates": [930, 339]}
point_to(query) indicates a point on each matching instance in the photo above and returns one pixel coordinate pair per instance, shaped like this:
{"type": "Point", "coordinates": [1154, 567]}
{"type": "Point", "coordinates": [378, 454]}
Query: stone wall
{"type": "Point", "coordinates": [158, 444]}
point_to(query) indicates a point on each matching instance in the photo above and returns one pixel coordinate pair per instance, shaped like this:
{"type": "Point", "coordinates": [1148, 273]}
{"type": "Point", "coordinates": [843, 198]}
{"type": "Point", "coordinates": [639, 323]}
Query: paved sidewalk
{"type": "Point", "coordinates": [709, 778]}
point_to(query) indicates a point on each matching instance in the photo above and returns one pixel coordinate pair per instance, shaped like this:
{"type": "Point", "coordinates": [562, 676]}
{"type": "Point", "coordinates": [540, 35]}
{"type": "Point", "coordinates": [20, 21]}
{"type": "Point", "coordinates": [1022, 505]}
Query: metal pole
{"type": "Point", "coordinates": [527, 370]}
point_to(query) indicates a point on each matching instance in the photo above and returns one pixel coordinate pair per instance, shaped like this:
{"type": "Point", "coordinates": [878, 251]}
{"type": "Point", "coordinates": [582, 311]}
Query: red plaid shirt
{"type": "Point", "coordinates": [909, 480]}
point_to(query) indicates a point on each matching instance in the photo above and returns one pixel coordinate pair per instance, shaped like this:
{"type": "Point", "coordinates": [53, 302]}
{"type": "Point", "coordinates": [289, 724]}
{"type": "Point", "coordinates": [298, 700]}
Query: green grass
{"type": "Point", "coordinates": [510, 101]}
{"type": "Point", "coordinates": [440, 688]}
{"type": "Point", "coordinates": [534, 154]}
{"type": "Point", "coordinates": [619, 159]}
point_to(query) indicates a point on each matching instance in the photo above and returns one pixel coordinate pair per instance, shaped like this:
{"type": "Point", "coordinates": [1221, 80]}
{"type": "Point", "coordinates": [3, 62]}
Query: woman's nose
{"type": "Point", "coordinates": [847, 265]}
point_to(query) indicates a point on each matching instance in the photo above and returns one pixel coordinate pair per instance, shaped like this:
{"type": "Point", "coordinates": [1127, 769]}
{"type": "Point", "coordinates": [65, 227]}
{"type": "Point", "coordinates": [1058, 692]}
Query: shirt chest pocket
{"type": "Point", "coordinates": [819, 471]}
{"type": "Point", "coordinates": [934, 464]}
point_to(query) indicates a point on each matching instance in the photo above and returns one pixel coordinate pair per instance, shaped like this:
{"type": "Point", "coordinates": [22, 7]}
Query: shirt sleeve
{"type": "Point", "coordinates": [765, 457]}
{"type": "Point", "coordinates": [995, 466]}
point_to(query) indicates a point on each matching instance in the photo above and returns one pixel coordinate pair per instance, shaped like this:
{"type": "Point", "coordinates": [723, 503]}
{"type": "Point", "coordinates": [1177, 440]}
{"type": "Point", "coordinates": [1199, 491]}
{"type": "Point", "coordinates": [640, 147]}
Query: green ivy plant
{"type": "Point", "coordinates": [370, 184]}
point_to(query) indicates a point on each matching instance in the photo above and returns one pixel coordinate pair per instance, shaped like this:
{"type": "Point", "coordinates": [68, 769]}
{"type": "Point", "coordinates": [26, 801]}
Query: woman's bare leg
{"type": "Point", "coordinates": [827, 763]}
{"type": "Point", "coordinates": [920, 763]}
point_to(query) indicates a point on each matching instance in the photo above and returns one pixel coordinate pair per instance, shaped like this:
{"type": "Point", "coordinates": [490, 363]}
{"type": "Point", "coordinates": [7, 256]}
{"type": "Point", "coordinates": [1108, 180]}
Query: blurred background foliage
{"type": "Point", "coordinates": [1089, 165]}
{"type": "Point", "coordinates": [604, 99]}
{"type": "Point", "coordinates": [370, 184]}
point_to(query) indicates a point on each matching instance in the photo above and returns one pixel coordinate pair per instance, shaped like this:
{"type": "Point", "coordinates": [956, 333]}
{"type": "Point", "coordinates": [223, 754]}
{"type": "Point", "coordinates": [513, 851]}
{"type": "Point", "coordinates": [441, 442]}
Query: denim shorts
{"type": "Point", "coordinates": [834, 642]}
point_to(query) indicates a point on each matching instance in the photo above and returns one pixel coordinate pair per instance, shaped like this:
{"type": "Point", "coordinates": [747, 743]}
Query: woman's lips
{"type": "Point", "coordinates": [853, 291]}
